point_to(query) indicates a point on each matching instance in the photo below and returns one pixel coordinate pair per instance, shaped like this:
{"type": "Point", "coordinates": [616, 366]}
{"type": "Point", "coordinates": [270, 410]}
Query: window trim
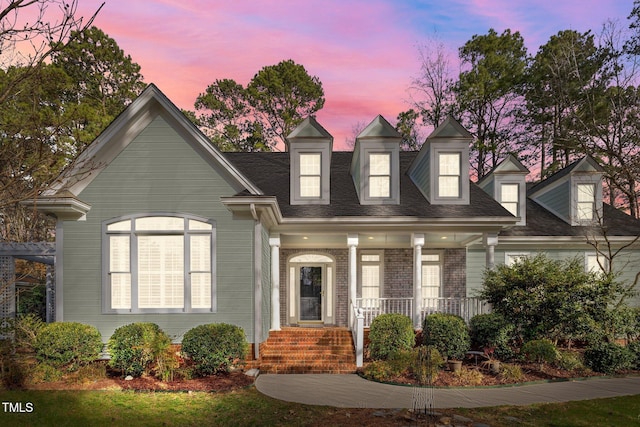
{"type": "Point", "coordinates": [440, 264]}
{"type": "Point", "coordinates": [371, 175]}
{"type": "Point", "coordinates": [301, 175]}
{"type": "Point", "coordinates": [441, 175]}
{"type": "Point", "coordinates": [133, 257]}
{"type": "Point", "coordinates": [380, 264]}
{"type": "Point", "coordinates": [598, 269]}
{"type": "Point", "coordinates": [461, 149]}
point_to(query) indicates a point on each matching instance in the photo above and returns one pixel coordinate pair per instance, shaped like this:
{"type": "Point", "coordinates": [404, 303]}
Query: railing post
{"type": "Point", "coordinates": [359, 339]}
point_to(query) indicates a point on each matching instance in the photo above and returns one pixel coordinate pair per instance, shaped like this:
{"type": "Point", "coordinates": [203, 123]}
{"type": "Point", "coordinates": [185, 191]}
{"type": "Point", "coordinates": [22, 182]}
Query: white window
{"type": "Point", "coordinates": [370, 279]}
{"type": "Point", "coordinates": [380, 175]}
{"type": "Point", "coordinates": [586, 201]}
{"type": "Point", "coordinates": [159, 264]}
{"type": "Point", "coordinates": [449, 175]}
{"type": "Point", "coordinates": [512, 258]}
{"type": "Point", "coordinates": [310, 175]}
{"type": "Point", "coordinates": [595, 263]}
{"type": "Point", "coordinates": [509, 198]}
{"type": "Point", "coordinates": [431, 280]}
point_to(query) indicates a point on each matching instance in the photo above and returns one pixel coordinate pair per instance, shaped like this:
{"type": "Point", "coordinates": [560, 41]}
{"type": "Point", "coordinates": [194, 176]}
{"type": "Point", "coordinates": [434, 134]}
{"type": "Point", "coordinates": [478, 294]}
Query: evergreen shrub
{"type": "Point", "coordinates": [389, 333]}
{"type": "Point", "coordinates": [448, 333]}
{"type": "Point", "coordinates": [608, 358]}
{"type": "Point", "coordinates": [136, 347]}
{"type": "Point", "coordinates": [214, 347]}
{"type": "Point", "coordinates": [68, 344]}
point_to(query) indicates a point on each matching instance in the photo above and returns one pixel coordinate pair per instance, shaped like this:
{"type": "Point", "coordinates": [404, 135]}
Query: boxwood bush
{"type": "Point", "coordinates": [390, 333]}
{"type": "Point", "coordinates": [214, 347]}
{"type": "Point", "coordinates": [68, 344]}
{"type": "Point", "coordinates": [135, 347]}
{"type": "Point", "coordinates": [448, 333]}
{"type": "Point", "coordinates": [540, 351]}
{"type": "Point", "coordinates": [493, 331]}
{"type": "Point", "coordinates": [608, 358]}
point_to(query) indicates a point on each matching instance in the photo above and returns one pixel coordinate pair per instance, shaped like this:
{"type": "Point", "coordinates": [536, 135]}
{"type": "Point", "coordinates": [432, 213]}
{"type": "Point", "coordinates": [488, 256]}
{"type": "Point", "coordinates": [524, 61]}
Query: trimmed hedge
{"type": "Point", "coordinates": [493, 331]}
{"type": "Point", "coordinates": [135, 347]}
{"type": "Point", "coordinates": [68, 344]}
{"type": "Point", "coordinates": [214, 347]}
{"type": "Point", "coordinates": [448, 333]}
{"type": "Point", "coordinates": [540, 351]}
{"type": "Point", "coordinates": [608, 358]}
{"type": "Point", "coordinates": [390, 333]}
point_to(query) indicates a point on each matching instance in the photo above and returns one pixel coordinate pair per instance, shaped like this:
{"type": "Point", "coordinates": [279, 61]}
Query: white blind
{"type": "Point", "coordinates": [120, 272]}
{"type": "Point", "coordinates": [200, 271]}
{"type": "Point", "coordinates": [310, 174]}
{"type": "Point", "coordinates": [379, 175]}
{"type": "Point", "coordinates": [509, 197]}
{"type": "Point", "coordinates": [586, 201]}
{"type": "Point", "coordinates": [160, 271]}
{"type": "Point", "coordinates": [370, 281]}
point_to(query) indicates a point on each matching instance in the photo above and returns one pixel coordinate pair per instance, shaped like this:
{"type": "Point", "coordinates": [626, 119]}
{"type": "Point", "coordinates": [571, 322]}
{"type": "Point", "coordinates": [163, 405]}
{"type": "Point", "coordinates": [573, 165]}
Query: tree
{"type": "Point", "coordinates": [260, 116]}
{"type": "Point", "coordinates": [488, 93]}
{"type": "Point", "coordinates": [407, 127]}
{"type": "Point", "coordinates": [106, 80]}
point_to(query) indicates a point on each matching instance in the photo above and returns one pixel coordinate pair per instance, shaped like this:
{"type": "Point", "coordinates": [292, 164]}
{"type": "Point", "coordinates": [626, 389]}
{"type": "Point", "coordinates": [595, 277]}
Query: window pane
{"type": "Point", "coordinates": [509, 192]}
{"type": "Point", "coordinates": [379, 186]}
{"type": "Point", "coordinates": [201, 253]}
{"type": "Point", "coordinates": [199, 225]}
{"type": "Point", "coordinates": [430, 281]}
{"type": "Point", "coordinates": [586, 192]}
{"type": "Point", "coordinates": [449, 163]}
{"type": "Point", "coordinates": [448, 186]}
{"type": "Point", "coordinates": [310, 186]}
{"type": "Point", "coordinates": [374, 258]}
{"type": "Point", "coordinates": [310, 164]}
{"type": "Point", "coordinates": [119, 254]}
{"type": "Point", "coordinates": [513, 258]}
{"type": "Point", "coordinates": [431, 257]}
{"type": "Point", "coordinates": [585, 211]}
{"type": "Point", "coordinates": [511, 207]}
{"type": "Point", "coordinates": [161, 271]}
{"type": "Point", "coordinates": [379, 164]}
{"type": "Point", "coordinates": [201, 290]}
{"type": "Point", "coordinates": [120, 290]}
{"type": "Point", "coordinates": [167, 223]}
{"type": "Point", "coordinates": [120, 226]}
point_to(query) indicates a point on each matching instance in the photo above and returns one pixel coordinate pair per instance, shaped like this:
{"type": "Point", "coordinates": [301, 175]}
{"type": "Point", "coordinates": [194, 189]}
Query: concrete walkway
{"type": "Point", "coordinates": [351, 391]}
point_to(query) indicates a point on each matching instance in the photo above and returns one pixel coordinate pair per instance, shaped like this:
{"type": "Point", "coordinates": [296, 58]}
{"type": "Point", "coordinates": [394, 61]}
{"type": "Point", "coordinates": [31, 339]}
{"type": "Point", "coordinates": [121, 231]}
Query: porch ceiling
{"type": "Point", "coordinates": [442, 239]}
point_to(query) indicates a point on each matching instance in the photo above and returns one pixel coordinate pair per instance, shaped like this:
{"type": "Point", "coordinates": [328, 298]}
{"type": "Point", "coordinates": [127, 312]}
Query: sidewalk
{"type": "Point", "coordinates": [351, 391]}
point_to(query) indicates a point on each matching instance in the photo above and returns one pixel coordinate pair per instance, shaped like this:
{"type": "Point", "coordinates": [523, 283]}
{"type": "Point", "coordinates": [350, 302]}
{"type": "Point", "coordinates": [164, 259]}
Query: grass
{"type": "Point", "coordinates": [248, 407]}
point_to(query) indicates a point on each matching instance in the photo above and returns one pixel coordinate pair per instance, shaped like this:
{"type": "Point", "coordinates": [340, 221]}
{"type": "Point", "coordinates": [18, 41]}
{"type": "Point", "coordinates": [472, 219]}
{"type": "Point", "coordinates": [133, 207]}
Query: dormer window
{"type": "Point", "coordinates": [379, 175]}
{"type": "Point", "coordinates": [586, 204]}
{"type": "Point", "coordinates": [509, 198]}
{"type": "Point", "coordinates": [449, 175]}
{"type": "Point", "coordinates": [310, 175]}
{"type": "Point", "coordinates": [310, 148]}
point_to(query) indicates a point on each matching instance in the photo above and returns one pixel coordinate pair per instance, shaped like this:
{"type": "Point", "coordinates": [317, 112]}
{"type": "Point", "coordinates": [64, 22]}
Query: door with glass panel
{"type": "Point", "coordinates": [310, 289]}
{"type": "Point", "coordinates": [310, 293]}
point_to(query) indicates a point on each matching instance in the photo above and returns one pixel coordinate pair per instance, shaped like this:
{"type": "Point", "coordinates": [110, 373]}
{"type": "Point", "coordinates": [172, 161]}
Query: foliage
{"type": "Point", "coordinates": [540, 351]}
{"type": "Point", "coordinates": [510, 372]}
{"type": "Point", "coordinates": [378, 370]}
{"type": "Point", "coordinates": [569, 361]}
{"type": "Point", "coordinates": [634, 349]}
{"type": "Point", "coordinates": [261, 115]}
{"type": "Point", "coordinates": [423, 362]}
{"type": "Point", "coordinates": [33, 301]}
{"type": "Point", "coordinates": [214, 347]}
{"type": "Point", "coordinates": [492, 330]}
{"type": "Point", "coordinates": [608, 358]}
{"type": "Point", "coordinates": [469, 377]}
{"type": "Point", "coordinates": [426, 363]}
{"type": "Point", "coordinates": [390, 332]}
{"type": "Point", "coordinates": [68, 344]}
{"type": "Point", "coordinates": [448, 333]}
{"type": "Point", "coordinates": [135, 349]}
{"type": "Point", "coordinates": [552, 299]}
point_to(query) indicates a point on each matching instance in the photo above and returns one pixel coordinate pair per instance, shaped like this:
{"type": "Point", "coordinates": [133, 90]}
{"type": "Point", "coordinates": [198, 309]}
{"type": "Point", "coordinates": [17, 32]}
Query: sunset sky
{"type": "Point", "coordinates": [363, 51]}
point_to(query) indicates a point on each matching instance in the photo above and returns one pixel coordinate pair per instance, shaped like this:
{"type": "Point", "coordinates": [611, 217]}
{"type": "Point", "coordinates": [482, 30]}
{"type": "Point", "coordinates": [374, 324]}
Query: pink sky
{"type": "Point", "coordinates": [363, 51]}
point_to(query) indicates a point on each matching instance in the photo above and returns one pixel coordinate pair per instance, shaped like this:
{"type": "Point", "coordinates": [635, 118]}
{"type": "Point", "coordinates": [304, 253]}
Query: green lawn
{"type": "Point", "coordinates": [249, 408]}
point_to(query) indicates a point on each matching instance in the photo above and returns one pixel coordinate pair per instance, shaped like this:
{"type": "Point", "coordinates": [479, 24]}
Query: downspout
{"type": "Point", "coordinates": [257, 277]}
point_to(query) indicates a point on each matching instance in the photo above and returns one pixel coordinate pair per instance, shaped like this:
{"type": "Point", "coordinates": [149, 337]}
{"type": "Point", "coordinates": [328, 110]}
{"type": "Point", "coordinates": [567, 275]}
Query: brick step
{"type": "Point", "coordinates": [307, 368]}
{"type": "Point", "coordinates": [344, 348]}
{"type": "Point", "coordinates": [335, 358]}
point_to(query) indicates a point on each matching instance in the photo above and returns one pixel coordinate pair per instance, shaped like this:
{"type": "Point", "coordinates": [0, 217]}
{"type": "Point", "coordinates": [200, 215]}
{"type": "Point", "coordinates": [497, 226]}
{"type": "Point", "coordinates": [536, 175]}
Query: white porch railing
{"type": "Point", "coordinates": [366, 309]}
{"type": "Point", "coordinates": [465, 307]}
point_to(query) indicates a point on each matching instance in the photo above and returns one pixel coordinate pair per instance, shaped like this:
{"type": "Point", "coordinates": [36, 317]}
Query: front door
{"type": "Point", "coordinates": [310, 293]}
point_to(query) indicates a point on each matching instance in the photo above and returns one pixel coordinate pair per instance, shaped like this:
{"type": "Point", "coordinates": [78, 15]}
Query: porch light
{"type": "Point", "coordinates": [444, 238]}
{"type": "Point", "coordinates": [305, 238]}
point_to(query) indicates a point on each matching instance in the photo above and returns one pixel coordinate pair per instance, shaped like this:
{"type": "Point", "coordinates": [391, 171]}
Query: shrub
{"type": "Point", "coordinates": [68, 344]}
{"type": "Point", "coordinates": [569, 361]}
{"type": "Point", "coordinates": [214, 347]}
{"type": "Point", "coordinates": [469, 377]}
{"type": "Point", "coordinates": [378, 370]}
{"type": "Point", "coordinates": [136, 347]}
{"type": "Point", "coordinates": [447, 333]}
{"type": "Point", "coordinates": [492, 330]}
{"type": "Point", "coordinates": [510, 373]}
{"type": "Point", "coordinates": [634, 348]}
{"type": "Point", "coordinates": [426, 364]}
{"type": "Point", "coordinates": [608, 358]}
{"type": "Point", "coordinates": [390, 333]}
{"type": "Point", "coordinates": [540, 351]}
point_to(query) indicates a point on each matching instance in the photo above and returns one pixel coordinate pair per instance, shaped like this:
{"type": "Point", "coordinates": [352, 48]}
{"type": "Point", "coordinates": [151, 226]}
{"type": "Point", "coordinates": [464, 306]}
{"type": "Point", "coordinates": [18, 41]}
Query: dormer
{"type": "Point", "coordinates": [507, 184]}
{"type": "Point", "coordinates": [375, 166]}
{"type": "Point", "coordinates": [441, 168]}
{"type": "Point", "coordinates": [574, 194]}
{"type": "Point", "coordinates": [310, 147]}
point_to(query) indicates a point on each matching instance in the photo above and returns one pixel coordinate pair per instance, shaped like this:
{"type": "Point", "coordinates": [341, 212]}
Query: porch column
{"type": "Point", "coordinates": [352, 242]}
{"type": "Point", "coordinates": [490, 240]}
{"type": "Point", "coordinates": [274, 242]}
{"type": "Point", "coordinates": [418, 243]}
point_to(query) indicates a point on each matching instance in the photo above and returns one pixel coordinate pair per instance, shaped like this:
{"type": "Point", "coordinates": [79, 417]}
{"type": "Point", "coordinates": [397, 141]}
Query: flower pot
{"type": "Point", "coordinates": [454, 365]}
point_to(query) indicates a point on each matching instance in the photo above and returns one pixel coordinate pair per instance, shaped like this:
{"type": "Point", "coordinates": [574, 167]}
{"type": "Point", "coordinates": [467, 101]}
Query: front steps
{"type": "Point", "coordinates": [295, 350]}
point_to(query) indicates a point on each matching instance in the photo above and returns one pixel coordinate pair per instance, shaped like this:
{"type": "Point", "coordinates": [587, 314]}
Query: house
{"type": "Point", "coordinates": [155, 224]}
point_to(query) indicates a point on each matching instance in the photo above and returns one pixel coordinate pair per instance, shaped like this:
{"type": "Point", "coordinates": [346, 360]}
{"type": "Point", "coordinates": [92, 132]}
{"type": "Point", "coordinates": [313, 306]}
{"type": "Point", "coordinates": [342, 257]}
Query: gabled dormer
{"type": "Point", "coordinates": [441, 168]}
{"type": "Point", "coordinates": [574, 194]}
{"type": "Point", "coordinates": [375, 166]}
{"type": "Point", "coordinates": [507, 184]}
{"type": "Point", "coordinates": [310, 147]}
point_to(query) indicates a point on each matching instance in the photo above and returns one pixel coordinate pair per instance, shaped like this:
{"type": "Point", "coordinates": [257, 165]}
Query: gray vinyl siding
{"type": "Point", "coordinates": [266, 284]}
{"type": "Point", "coordinates": [627, 263]}
{"type": "Point", "coordinates": [158, 172]}
{"type": "Point", "coordinates": [421, 175]}
{"type": "Point", "coordinates": [355, 170]}
{"type": "Point", "coordinates": [558, 200]}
